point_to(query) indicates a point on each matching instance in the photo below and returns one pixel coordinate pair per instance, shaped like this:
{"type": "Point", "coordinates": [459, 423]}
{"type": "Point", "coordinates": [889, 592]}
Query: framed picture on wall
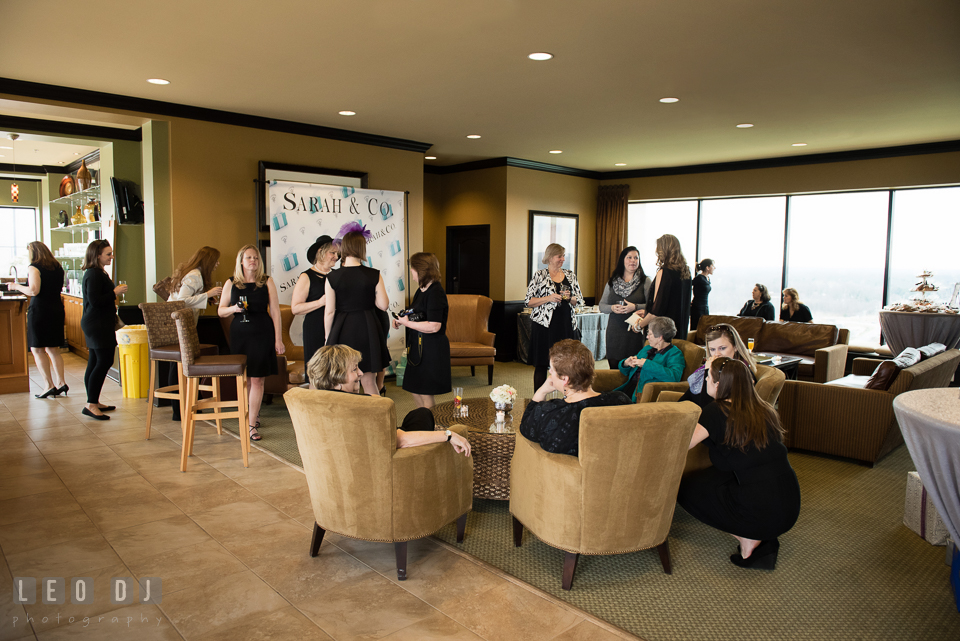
{"type": "Point", "coordinates": [548, 227]}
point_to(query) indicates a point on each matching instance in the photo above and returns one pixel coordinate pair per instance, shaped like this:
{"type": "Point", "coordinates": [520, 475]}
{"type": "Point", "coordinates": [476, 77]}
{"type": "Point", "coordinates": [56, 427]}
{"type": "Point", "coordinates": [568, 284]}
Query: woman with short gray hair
{"type": "Point", "coordinates": [660, 361]}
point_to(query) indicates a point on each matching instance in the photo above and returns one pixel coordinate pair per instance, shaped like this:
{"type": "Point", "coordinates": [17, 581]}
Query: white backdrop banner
{"type": "Point", "coordinates": [300, 212]}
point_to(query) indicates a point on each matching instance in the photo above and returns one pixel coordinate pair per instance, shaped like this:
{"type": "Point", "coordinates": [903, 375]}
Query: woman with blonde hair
{"type": "Point", "coordinates": [45, 316]}
{"type": "Point", "coordinates": [553, 293]}
{"type": "Point", "coordinates": [793, 310]}
{"type": "Point", "coordinates": [722, 341]}
{"type": "Point", "coordinates": [256, 332]}
{"type": "Point", "coordinates": [671, 287]}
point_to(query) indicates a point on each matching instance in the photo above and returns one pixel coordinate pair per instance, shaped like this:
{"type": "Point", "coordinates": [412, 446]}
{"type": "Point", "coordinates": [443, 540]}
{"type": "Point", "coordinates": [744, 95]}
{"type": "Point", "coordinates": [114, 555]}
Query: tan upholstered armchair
{"type": "Point", "coordinates": [362, 486]}
{"type": "Point", "coordinates": [842, 418]}
{"type": "Point", "coordinates": [470, 342]}
{"type": "Point", "coordinates": [610, 379]}
{"type": "Point", "coordinates": [618, 496]}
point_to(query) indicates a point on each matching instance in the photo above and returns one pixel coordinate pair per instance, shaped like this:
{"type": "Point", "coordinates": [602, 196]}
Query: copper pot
{"type": "Point", "coordinates": [84, 179]}
{"type": "Point", "coordinates": [67, 186]}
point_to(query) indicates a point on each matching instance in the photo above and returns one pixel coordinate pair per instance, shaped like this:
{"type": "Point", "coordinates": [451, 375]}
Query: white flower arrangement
{"type": "Point", "coordinates": [503, 394]}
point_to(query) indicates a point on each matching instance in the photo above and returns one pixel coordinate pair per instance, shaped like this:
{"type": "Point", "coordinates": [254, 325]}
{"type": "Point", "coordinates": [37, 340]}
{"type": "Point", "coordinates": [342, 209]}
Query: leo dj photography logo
{"type": "Point", "coordinates": [53, 590]}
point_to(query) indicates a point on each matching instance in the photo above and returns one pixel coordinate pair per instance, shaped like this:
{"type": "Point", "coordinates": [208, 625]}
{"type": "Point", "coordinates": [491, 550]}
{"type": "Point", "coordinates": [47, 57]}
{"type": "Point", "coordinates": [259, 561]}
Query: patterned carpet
{"type": "Point", "coordinates": [849, 569]}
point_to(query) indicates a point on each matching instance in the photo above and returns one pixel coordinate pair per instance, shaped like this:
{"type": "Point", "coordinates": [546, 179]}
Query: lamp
{"type": "Point", "coordinates": [14, 188]}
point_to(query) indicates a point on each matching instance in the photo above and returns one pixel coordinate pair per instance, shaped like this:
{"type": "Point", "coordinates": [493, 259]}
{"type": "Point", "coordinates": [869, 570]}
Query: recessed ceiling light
{"type": "Point", "coordinates": [556, 151]}
{"type": "Point", "coordinates": [542, 55]}
{"type": "Point", "coordinates": [347, 113]}
{"type": "Point", "coordinates": [799, 144]}
{"type": "Point", "coordinates": [620, 164]}
{"type": "Point", "coordinates": [158, 81]}
{"type": "Point", "coordinates": [76, 153]}
{"type": "Point", "coordinates": [429, 157]}
{"type": "Point", "coordinates": [6, 147]}
{"type": "Point", "coordinates": [669, 100]}
{"type": "Point", "coordinates": [744, 125]}
{"type": "Point", "coordinates": [473, 136]}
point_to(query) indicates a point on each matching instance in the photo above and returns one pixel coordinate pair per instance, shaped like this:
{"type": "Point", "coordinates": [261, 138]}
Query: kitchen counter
{"type": "Point", "coordinates": [14, 370]}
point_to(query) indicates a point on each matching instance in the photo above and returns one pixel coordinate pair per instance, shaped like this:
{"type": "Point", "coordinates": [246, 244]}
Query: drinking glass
{"type": "Point", "coordinates": [565, 292]}
{"type": "Point", "coordinates": [457, 395]}
{"type": "Point", "coordinates": [243, 304]}
{"type": "Point", "coordinates": [750, 344]}
{"type": "Point", "coordinates": [123, 296]}
{"type": "Point", "coordinates": [216, 299]}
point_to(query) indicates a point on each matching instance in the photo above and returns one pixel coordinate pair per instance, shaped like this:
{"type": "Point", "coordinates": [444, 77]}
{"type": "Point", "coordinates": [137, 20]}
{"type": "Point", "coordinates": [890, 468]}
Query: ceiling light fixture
{"type": "Point", "coordinates": [429, 157]}
{"type": "Point", "coordinates": [556, 151]}
{"type": "Point", "coordinates": [620, 164]}
{"type": "Point", "coordinates": [14, 188]}
{"type": "Point", "coordinates": [347, 112]}
{"type": "Point", "coordinates": [541, 55]}
{"type": "Point", "coordinates": [473, 136]}
{"type": "Point", "coordinates": [744, 125]}
{"type": "Point", "coordinates": [158, 81]}
{"type": "Point", "coordinates": [668, 100]}
{"type": "Point", "coordinates": [5, 147]}
{"type": "Point", "coordinates": [799, 144]}
{"type": "Point", "coordinates": [76, 153]}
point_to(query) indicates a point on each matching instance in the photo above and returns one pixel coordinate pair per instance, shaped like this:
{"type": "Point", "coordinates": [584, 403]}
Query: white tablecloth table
{"type": "Point", "coordinates": [930, 422]}
{"type": "Point", "coordinates": [915, 329]}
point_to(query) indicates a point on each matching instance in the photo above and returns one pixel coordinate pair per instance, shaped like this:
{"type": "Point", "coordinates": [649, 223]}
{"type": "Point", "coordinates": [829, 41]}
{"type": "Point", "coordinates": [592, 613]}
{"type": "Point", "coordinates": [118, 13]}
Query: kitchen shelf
{"type": "Point", "coordinates": [78, 197]}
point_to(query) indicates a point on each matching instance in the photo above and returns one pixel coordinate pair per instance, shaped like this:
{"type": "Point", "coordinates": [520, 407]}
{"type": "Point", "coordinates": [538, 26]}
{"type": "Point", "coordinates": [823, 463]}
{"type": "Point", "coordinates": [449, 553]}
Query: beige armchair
{"type": "Point", "coordinates": [610, 379]}
{"type": "Point", "coordinates": [470, 342]}
{"type": "Point", "coordinates": [769, 383]}
{"type": "Point", "coordinates": [618, 496]}
{"type": "Point", "coordinates": [362, 486]}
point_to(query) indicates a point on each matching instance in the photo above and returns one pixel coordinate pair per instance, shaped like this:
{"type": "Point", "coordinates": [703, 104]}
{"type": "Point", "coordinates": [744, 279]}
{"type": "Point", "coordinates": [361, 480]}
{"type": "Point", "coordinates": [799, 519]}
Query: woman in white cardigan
{"type": "Point", "coordinates": [553, 293]}
{"type": "Point", "coordinates": [192, 282]}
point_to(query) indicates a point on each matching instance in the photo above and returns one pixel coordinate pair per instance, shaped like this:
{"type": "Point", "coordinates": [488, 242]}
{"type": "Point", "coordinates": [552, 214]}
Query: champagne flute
{"type": "Point", "coordinates": [243, 304]}
{"type": "Point", "coordinates": [123, 296]}
{"type": "Point", "coordinates": [750, 344]}
{"type": "Point", "coordinates": [216, 299]}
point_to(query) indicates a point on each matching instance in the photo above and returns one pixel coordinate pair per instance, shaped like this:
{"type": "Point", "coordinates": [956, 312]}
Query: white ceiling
{"type": "Point", "coordinates": [836, 74]}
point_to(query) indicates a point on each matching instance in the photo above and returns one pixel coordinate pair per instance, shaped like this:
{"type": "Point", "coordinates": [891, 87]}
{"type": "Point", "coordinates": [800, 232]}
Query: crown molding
{"type": "Point", "coordinates": [8, 168]}
{"type": "Point", "coordinates": [95, 132]}
{"type": "Point", "coordinates": [506, 161]}
{"type": "Point", "coordinates": [175, 110]}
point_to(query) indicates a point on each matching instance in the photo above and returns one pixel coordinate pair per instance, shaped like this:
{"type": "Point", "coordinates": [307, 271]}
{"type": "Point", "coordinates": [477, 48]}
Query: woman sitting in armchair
{"type": "Point", "coordinates": [336, 368]}
{"type": "Point", "coordinates": [722, 340]}
{"type": "Point", "coordinates": [555, 424]}
{"type": "Point", "coordinates": [660, 361]}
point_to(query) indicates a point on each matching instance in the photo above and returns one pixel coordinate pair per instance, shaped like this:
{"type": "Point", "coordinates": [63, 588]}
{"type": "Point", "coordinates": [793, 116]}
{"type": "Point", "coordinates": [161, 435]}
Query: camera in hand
{"type": "Point", "coordinates": [412, 316]}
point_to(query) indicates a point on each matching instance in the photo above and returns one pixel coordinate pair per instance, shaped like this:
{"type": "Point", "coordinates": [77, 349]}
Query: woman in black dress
{"type": "Point", "coordinates": [555, 424]}
{"type": "Point", "coordinates": [309, 296]}
{"type": "Point", "coordinates": [793, 310]}
{"type": "Point", "coordinates": [759, 305]}
{"type": "Point", "coordinates": [428, 362]}
{"type": "Point", "coordinates": [701, 292]}
{"type": "Point", "coordinates": [256, 331]}
{"type": "Point", "coordinates": [99, 324]}
{"type": "Point", "coordinates": [671, 288]}
{"type": "Point", "coordinates": [750, 491]}
{"type": "Point", "coordinates": [354, 293]}
{"type": "Point", "coordinates": [553, 293]}
{"type": "Point", "coordinates": [624, 293]}
{"type": "Point", "coordinates": [45, 316]}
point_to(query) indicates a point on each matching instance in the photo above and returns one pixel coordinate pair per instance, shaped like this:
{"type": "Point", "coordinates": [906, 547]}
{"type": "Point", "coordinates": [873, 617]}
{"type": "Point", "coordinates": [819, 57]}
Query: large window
{"type": "Point", "coordinates": [835, 258]}
{"type": "Point", "coordinates": [18, 226]}
{"type": "Point", "coordinates": [926, 233]}
{"type": "Point", "coordinates": [649, 221]}
{"type": "Point", "coordinates": [744, 237]}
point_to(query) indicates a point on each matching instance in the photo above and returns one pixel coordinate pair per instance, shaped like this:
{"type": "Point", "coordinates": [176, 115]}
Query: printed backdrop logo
{"type": "Point", "coordinates": [314, 210]}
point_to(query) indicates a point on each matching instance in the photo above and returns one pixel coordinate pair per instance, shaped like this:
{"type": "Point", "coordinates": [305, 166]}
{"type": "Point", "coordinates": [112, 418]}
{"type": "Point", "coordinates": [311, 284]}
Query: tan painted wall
{"type": "Point", "coordinates": [905, 171]}
{"type": "Point", "coordinates": [29, 192]}
{"type": "Point", "coordinates": [528, 189]}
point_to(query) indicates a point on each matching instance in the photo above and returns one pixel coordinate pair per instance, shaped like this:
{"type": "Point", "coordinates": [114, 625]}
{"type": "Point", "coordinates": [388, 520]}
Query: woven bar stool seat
{"type": "Point", "coordinates": [195, 366]}
{"type": "Point", "coordinates": [165, 346]}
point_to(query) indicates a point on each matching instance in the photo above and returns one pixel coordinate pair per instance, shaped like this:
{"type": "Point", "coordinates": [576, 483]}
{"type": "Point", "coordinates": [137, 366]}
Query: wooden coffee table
{"type": "Point", "coordinates": [491, 446]}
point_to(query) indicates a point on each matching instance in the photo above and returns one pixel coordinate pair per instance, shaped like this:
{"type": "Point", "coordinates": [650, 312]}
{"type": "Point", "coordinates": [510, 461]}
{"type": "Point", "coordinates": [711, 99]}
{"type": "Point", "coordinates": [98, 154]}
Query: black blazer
{"type": "Point", "coordinates": [99, 310]}
{"type": "Point", "coordinates": [765, 311]}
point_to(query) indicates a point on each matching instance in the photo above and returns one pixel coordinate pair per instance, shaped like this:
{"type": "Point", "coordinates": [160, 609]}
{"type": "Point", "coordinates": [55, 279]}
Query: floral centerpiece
{"type": "Point", "coordinates": [503, 397]}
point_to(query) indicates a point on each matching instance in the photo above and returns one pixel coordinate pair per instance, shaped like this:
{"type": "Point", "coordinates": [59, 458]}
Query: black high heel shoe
{"type": "Point", "coordinates": [99, 417]}
{"type": "Point", "coordinates": [764, 557]}
{"type": "Point", "coordinates": [63, 390]}
{"type": "Point", "coordinates": [53, 391]}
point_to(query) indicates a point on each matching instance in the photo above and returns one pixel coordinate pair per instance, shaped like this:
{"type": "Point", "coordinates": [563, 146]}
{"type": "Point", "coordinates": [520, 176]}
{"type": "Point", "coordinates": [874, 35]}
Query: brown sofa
{"type": "Point", "coordinates": [843, 419]}
{"type": "Point", "coordinates": [362, 486]}
{"type": "Point", "coordinates": [470, 342]}
{"type": "Point", "coordinates": [606, 380]}
{"type": "Point", "coordinates": [618, 496]}
{"type": "Point", "coordinates": [823, 348]}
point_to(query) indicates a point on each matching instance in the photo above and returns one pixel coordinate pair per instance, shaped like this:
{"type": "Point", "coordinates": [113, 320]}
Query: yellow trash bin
{"type": "Point", "coordinates": [134, 361]}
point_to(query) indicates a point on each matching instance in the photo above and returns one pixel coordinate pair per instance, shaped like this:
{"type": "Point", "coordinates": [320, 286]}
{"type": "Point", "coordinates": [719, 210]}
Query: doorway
{"type": "Point", "coordinates": [468, 260]}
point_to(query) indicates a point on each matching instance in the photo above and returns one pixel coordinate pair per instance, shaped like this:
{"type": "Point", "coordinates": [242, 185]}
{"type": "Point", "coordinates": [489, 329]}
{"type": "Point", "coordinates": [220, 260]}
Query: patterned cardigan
{"type": "Point", "coordinates": [540, 286]}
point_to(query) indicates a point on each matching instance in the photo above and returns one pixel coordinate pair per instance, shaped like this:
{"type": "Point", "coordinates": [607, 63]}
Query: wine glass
{"type": "Point", "coordinates": [123, 296]}
{"type": "Point", "coordinates": [564, 292]}
{"type": "Point", "coordinates": [244, 305]}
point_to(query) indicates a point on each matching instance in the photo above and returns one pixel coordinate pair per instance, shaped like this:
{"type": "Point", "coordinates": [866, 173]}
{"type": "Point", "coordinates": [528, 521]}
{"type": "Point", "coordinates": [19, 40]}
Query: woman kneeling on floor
{"type": "Point", "coordinates": [751, 491]}
{"type": "Point", "coordinates": [336, 368]}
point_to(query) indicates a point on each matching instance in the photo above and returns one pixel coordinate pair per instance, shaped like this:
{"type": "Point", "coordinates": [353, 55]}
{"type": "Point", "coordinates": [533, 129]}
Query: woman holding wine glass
{"type": "Point", "coordinates": [256, 333]}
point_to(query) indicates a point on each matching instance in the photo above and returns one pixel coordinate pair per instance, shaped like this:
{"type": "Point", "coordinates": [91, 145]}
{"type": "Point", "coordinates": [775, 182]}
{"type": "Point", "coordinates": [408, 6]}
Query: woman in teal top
{"type": "Point", "coordinates": [659, 361]}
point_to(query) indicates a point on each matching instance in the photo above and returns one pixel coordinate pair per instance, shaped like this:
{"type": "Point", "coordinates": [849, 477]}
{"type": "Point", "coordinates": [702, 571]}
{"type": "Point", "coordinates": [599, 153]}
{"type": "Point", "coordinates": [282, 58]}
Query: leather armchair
{"type": "Point", "coordinates": [470, 342]}
{"type": "Point", "coordinates": [362, 486]}
{"type": "Point", "coordinates": [618, 496]}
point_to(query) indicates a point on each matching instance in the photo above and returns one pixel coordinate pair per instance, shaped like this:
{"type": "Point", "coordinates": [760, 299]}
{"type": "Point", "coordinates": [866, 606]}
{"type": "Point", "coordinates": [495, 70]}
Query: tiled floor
{"type": "Point", "coordinates": [86, 498]}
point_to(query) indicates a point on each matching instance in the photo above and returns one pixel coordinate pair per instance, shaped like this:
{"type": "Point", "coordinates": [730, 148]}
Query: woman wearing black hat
{"type": "Point", "coordinates": [309, 296]}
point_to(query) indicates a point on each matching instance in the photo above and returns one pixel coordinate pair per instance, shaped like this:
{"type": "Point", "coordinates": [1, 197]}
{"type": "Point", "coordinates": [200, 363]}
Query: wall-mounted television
{"type": "Point", "coordinates": [129, 204]}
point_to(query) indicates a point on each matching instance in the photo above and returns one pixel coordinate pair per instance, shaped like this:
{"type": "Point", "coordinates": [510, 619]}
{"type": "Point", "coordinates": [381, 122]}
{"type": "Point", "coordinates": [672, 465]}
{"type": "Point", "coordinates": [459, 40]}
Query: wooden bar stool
{"type": "Point", "coordinates": [165, 346]}
{"type": "Point", "coordinates": [196, 367]}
